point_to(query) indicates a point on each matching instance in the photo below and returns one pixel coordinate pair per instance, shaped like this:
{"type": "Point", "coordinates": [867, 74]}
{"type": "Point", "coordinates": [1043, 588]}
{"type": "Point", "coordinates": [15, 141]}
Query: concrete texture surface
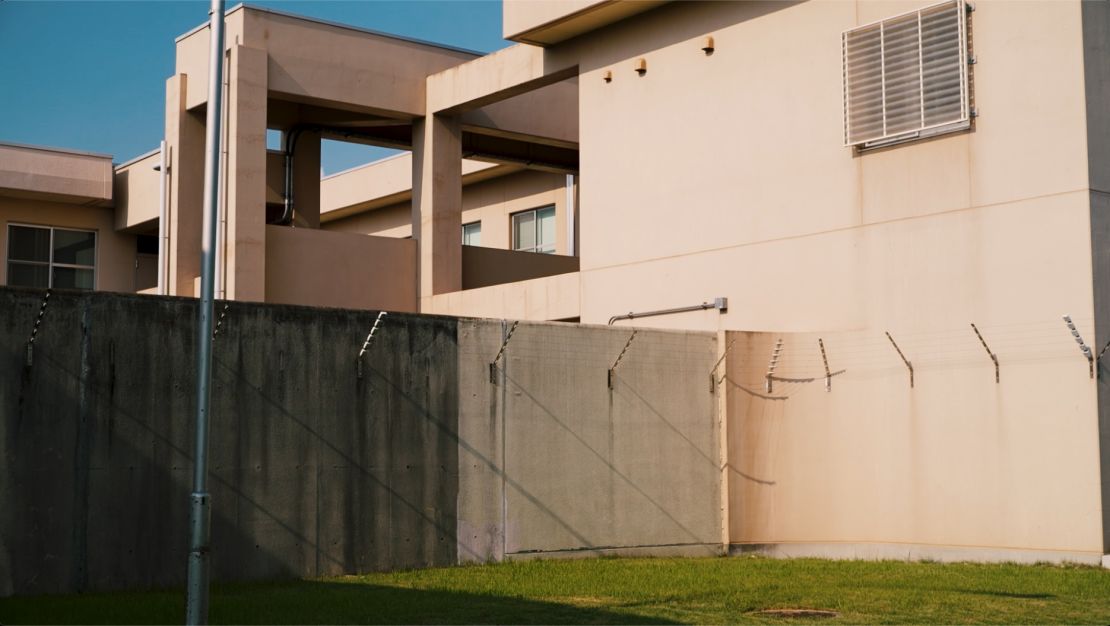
{"type": "Point", "coordinates": [322, 466]}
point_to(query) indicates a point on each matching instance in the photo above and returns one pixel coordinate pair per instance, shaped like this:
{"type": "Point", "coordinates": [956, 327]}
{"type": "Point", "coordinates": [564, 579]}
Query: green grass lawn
{"type": "Point", "coordinates": [626, 591]}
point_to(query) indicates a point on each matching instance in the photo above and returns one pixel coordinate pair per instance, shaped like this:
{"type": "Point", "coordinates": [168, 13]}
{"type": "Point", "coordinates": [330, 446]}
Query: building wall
{"type": "Point", "coordinates": [491, 201]}
{"type": "Point", "coordinates": [726, 175]}
{"type": "Point", "coordinates": [748, 192]}
{"type": "Point", "coordinates": [115, 252]}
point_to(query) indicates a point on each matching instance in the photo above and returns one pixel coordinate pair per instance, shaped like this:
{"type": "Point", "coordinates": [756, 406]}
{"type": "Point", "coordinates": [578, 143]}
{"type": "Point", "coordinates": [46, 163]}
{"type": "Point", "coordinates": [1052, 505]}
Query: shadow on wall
{"type": "Point", "coordinates": [313, 471]}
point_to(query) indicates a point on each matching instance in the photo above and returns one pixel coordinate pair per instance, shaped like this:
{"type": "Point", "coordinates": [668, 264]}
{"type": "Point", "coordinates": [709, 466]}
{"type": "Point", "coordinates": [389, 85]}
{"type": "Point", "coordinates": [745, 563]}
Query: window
{"type": "Point", "coordinates": [534, 231]}
{"type": "Point", "coordinates": [472, 234]}
{"type": "Point", "coordinates": [906, 77]}
{"type": "Point", "coordinates": [51, 257]}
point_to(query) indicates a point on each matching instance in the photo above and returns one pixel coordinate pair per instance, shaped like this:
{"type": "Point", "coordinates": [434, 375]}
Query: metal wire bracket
{"type": "Point", "coordinates": [1082, 345]}
{"type": "Point", "coordinates": [909, 365]}
{"type": "Point", "coordinates": [500, 352]}
{"type": "Point", "coordinates": [775, 354]}
{"type": "Point", "coordinates": [992, 355]}
{"type": "Point", "coordinates": [713, 381]}
{"type": "Point", "coordinates": [369, 340]}
{"type": "Point", "coordinates": [620, 356]}
{"type": "Point", "coordinates": [35, 329]}
{"type": "Point", "coordinates": [220, 321]}
{"type": "Point", "coordinates": [825, 361]}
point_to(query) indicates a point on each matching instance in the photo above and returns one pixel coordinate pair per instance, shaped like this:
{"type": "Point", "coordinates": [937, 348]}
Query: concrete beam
{"type": "Point", "coordinates": [498, 76]}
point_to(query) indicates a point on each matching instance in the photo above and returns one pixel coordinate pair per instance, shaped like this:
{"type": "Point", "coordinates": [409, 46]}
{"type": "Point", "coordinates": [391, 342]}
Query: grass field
{"type": "Point", "coordinates": [626, 591]}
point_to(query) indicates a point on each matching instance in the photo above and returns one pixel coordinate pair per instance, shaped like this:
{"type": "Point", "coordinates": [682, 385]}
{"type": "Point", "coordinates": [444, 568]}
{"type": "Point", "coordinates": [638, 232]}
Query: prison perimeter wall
{"type": "Point", "coordinates": [320, 464]}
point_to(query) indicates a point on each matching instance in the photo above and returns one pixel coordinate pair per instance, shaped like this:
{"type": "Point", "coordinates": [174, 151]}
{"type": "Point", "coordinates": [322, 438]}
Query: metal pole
{"type": "Point", "coordinates": [196, 591]}
{"type": "Point", "coordinates": [163, 166]}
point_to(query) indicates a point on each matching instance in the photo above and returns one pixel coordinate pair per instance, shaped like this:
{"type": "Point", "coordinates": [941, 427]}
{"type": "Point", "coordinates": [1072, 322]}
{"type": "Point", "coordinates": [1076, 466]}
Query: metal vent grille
{"type": "Point", "coordinates": [906, 77]}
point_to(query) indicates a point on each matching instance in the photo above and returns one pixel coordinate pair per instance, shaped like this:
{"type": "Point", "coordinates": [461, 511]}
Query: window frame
{"type": "Point", "coordinates": [51, 264]}
{"type": "Point", "coordinates": [477, 223]}
{"type": "Point", "coordinates": [967, 112]}
{"type": "Point", "coordinates": [535, 248]}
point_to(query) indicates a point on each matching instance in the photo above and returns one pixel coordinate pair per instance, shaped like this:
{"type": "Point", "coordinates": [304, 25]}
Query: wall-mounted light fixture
{"type": "Point", "coordinates": [640, 66]}
{"type": "Point", "coordinates": [607, 76]}
{"type": "Point", "coordinates": [707, 45]}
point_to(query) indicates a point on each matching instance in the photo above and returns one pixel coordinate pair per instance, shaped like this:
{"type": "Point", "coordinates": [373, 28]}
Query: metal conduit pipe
{"type": "Point", "coordinates": [720, 304]}
{"type": "Point", "coordinates": [290, 141]}
{"type": "Point", "coordinates": [290, 145]}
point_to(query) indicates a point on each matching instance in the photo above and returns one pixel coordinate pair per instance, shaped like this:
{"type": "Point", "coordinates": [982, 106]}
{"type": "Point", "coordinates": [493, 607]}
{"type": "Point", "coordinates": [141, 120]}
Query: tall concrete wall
{"type": "Point", "coordinates": [632, 469]}
{"type": "Point", "coordinates": [956, 467]}
{"type": "Point", "coordinates": [318, 470]}
{"type": "Point", "coordinates": [314, 470]}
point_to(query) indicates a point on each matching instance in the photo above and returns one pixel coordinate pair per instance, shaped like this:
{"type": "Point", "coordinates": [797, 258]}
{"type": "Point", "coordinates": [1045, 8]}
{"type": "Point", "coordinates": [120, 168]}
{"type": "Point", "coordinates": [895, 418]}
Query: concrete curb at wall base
{"type": "Point", "coordinates": [914, 552]}
{"type": "Point", "coordinates": [683, 551]}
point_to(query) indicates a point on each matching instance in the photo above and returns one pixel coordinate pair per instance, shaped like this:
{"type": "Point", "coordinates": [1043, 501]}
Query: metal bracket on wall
{"type": "Point", "coordinates": [220, 321]}
{"type": "Point", "coordinates": [620, 356]}
{"type": "Point", "coordinates": [993, 356]}
{"type": "Point", "coordinates": [369, 340]}
{"type": "Point", "coordinates": [1086, 350]}
{"type": "Point", "coordinates": [496, 359]}
{"type": "Point", "coordinates": [775, 354]}
{"type": "Point", "coordinates": [35, 329]}
{"type": "Point", "coordinates": [909, 365]}
{"type": "Point", "coordinates": [825, 360]}
{"type": "Point", "coordinates": [713, 380]}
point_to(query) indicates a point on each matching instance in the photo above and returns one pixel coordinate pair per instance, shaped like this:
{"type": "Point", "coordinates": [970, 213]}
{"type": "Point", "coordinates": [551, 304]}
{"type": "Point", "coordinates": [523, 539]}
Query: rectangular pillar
{"type": "Point", "coordinates": [185, 151]}
{"type": "Point", "coordinates": [437, 204]}
{"type": "Point", "coordinates": [245, 205]}
{"type": "Point", "coordinates": [306, 180]}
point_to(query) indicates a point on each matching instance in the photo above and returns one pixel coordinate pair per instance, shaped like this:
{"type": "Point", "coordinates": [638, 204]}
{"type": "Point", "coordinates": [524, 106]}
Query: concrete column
{"type": "Point", "coordinates": [306, 180]}
{"type": "Point", "coordinates": [185, 146]}
{"type": "Point", "coordinates": [245, 212]}
{"type": "Point", "coordinates": [437, 205]}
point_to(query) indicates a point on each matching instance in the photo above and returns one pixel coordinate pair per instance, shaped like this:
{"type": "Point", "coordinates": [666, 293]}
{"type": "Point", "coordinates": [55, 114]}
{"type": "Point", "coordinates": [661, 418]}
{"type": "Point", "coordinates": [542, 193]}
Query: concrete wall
{"type": "Point", "coordinates": [135, 188]}
{"type": "Point", "coordinates": [54, 174]}
{"type": "Point", "coordinates": [320, 466]}
{"type": "Point", "coordinates": [318, 268]}
{"type": "Point", "coordinates": [115, 251]}
{"type": "Point", "coordinates": [958, 467]}
{"type": "Point", "coordinates": [588, 469]}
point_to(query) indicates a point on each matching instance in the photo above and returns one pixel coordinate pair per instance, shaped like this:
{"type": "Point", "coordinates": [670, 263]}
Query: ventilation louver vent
{"type": "Point", "coordinates": [906, 77]}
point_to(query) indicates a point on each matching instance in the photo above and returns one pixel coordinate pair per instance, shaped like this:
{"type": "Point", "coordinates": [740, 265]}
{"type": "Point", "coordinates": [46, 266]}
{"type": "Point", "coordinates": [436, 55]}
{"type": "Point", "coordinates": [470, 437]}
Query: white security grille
{"type": "Point", "coordinates": [906, 76]}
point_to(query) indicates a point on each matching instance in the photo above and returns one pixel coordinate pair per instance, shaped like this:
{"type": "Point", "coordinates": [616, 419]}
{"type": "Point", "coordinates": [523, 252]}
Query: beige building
{"type": "Point", "coordinates": [832, 185]}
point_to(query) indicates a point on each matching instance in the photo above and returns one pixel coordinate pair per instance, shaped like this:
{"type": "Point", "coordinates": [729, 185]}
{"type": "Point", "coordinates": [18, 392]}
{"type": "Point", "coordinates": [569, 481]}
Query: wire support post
{"type": "Point", "coordinates": [613, 369]}
{"type": "Point", "coordinates": [770, 377]}
{"type": "Point", "coordinates": [30, 357]}
{"type": "Point", "coordinates": [501, 352]}
{"type": "Point", "coordinates": [825, 362]}
{"type": "Point", "coordinates": [992, 355]}
{"type": "Point", "coordinates": [220, 321]}
{"type": "Point", "coordinates": [909, 365]}
{"type": "Point", "coordinates": [369, 340]}
{"type": "Point", "coordinates": [1083, 347]}
{"type": "Point", "coordinates": [713, 380]}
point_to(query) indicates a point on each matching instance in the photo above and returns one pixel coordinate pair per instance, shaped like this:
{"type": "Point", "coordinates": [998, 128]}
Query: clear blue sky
{"type": "Point", "coordinates": [91, 75]}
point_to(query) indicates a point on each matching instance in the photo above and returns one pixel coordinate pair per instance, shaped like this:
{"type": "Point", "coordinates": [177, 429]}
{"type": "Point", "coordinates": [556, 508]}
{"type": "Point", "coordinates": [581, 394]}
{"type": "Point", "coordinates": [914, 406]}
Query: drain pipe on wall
{"type": "Point", "coordinates": [163, 228]}
{"type": "Point", "coordinates": [290, 146]}
{"type": "Point", "coordinates": [721, 304]}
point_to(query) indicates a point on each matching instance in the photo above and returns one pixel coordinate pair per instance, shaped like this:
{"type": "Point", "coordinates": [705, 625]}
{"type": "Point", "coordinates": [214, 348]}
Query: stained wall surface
{"type": "Point", "coordinates": [322, 463]}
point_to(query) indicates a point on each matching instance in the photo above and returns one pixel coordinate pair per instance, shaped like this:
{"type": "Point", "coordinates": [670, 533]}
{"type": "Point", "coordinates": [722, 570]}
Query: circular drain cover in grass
{"type": "Point", "coordinates": [819, 613]}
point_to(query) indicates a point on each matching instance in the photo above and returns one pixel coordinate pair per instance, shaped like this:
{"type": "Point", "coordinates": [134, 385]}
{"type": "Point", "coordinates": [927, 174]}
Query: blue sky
{"type": "Point", "coordinates": [91, 75]}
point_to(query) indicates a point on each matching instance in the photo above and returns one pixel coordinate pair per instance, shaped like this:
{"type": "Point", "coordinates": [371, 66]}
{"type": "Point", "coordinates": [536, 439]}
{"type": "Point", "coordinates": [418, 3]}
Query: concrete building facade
{"type": "Point", "coordinates": [855, 183]}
